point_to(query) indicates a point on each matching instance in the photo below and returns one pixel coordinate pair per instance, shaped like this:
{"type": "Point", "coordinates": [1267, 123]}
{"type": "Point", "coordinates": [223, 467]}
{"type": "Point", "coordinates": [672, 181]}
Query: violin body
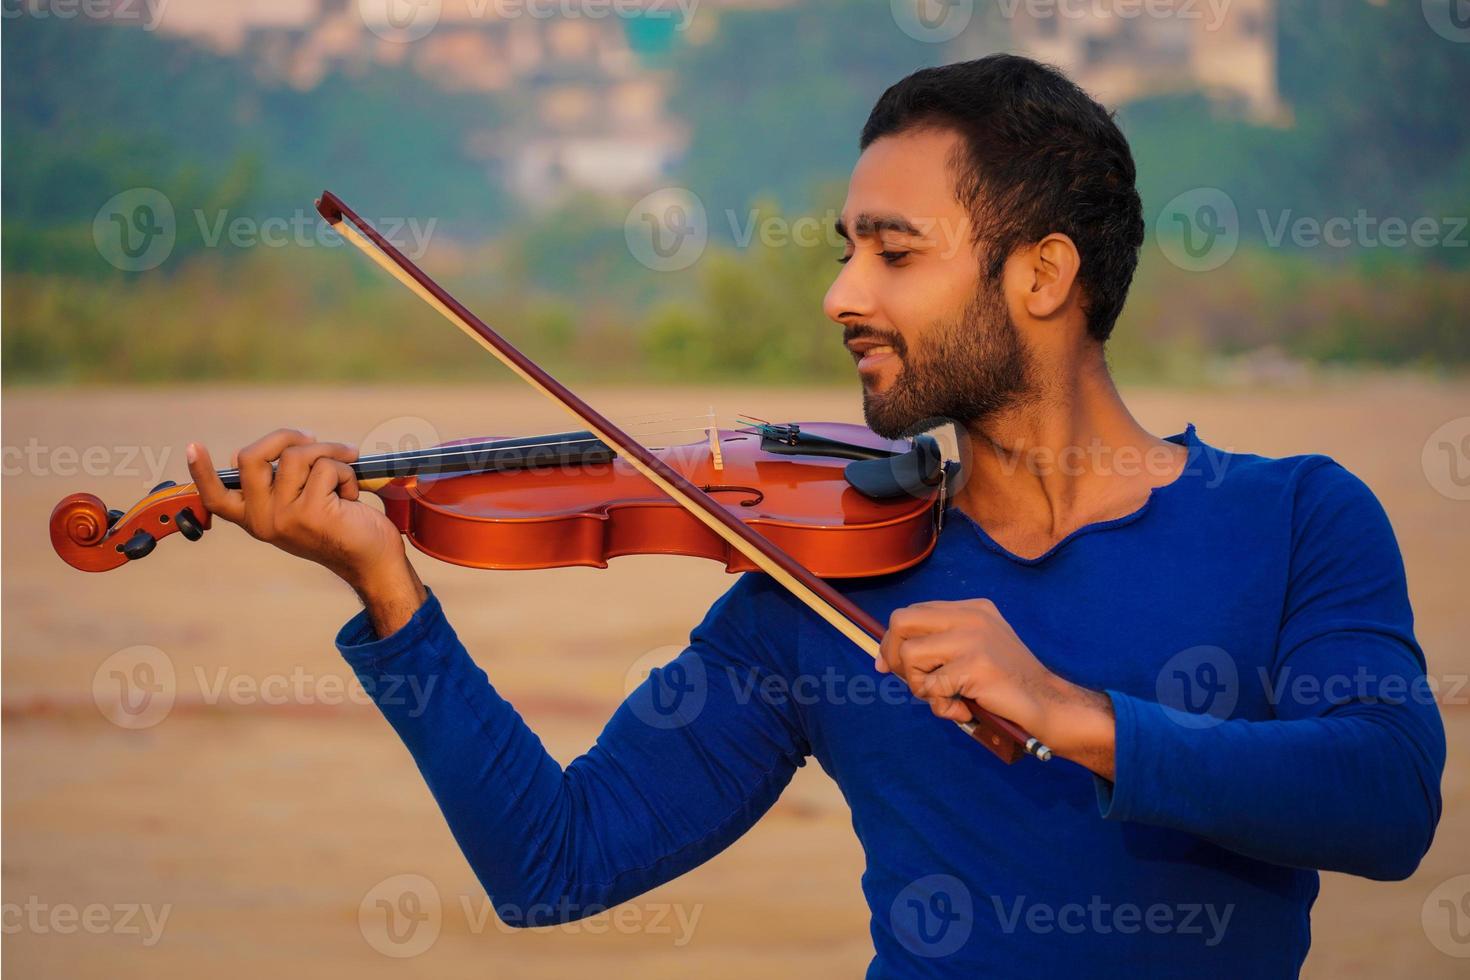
{"type": "Point", "coordinates": [588, 514]}
{"type": "Point", "coordinates": [588, 508]}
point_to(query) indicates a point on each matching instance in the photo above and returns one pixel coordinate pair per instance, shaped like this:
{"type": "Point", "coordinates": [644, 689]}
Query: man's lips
{"type": "Point", "coordinates": [870, 353]}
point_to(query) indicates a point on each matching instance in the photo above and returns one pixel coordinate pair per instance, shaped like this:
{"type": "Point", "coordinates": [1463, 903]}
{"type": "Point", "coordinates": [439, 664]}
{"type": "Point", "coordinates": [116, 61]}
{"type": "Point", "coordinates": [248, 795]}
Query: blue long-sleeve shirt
{"type": "Point", "coordinates": [1249, 622]}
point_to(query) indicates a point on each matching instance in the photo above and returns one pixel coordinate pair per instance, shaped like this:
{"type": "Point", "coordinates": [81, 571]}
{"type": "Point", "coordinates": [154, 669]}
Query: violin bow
{"type": "Point", "coordinates": [1004, 738]}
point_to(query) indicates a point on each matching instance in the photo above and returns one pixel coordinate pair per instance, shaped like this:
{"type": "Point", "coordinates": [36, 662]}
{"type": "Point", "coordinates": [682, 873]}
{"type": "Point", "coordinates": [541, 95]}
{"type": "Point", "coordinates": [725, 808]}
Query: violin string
{"type": "Point", "coordinates": [667, 416]}
{"type": "Point", "coordinates": [459, 449]}
{"type": "Point", "coordinates": [666, 432]}
{"type": "Point", "coordinates": [439, 454]}
{"type": "Point", "coordinates": [454, 451]}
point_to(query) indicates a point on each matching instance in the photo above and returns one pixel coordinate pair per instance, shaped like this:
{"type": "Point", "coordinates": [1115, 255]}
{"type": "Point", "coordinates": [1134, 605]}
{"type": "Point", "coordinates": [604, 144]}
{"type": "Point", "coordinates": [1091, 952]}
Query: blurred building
{"type": "Point", "coordinates": [1123, 51]}
{"type": "Point", "coordinates": [585, 112]}
{"type": "Point", "coordinates": [573, 105]}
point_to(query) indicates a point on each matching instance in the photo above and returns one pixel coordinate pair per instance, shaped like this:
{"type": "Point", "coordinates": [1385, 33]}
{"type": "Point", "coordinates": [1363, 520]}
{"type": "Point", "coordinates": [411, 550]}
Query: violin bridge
{"type": "Point", "coordinates": [714, 440]}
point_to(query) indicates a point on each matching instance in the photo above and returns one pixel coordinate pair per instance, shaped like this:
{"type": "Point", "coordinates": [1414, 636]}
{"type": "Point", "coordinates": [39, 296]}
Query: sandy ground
{"type": "Point", "coordinates": [269, 821]}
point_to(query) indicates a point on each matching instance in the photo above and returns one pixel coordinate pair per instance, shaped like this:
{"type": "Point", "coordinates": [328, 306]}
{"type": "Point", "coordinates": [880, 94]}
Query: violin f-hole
{"type": "Point", "coordinates": [759, 494]}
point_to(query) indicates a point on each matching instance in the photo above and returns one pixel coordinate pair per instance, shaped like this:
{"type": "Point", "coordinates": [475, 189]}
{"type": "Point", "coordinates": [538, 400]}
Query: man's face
{"type": "Point", "coordinates": [933, 341]}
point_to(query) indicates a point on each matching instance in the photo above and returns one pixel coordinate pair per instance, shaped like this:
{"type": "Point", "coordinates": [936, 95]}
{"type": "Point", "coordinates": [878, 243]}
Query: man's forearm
{"type": "Point", "coordinates": [1079, 725]}
{"type": "Point", "coordinates": [391, 594]}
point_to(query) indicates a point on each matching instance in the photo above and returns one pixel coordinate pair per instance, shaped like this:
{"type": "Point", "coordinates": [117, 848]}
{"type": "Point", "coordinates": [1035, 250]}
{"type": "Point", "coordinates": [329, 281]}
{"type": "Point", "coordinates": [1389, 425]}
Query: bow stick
{"type": "Point", "coordinates": [1006, 739]}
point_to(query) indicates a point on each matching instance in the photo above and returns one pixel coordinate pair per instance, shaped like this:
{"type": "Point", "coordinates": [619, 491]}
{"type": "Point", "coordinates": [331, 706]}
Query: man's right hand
{"type": "Point", "coordinates": [307, 505]}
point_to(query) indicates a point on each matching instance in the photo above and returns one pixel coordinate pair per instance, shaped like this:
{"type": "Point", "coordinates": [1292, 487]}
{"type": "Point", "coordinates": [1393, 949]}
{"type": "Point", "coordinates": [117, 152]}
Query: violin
{"type": "Point", "coordinates": [800, 502]}
{"type": "Point", "coordinates": [837, 498]}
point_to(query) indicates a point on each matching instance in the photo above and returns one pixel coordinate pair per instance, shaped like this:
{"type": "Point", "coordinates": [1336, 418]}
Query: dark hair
{"type": "Point", "coordinates": [1040, 156]}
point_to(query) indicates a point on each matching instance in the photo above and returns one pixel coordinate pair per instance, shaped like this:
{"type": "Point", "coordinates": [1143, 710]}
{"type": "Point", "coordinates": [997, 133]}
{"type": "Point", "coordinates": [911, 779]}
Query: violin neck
{"type": "Point", "coordinates": [524, 452]}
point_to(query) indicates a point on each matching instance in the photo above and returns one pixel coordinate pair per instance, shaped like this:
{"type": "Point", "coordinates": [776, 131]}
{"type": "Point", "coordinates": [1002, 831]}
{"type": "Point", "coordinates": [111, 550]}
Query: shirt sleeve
{"type": "Point", "coordinates": [1346, 776]}
{"type": "Point", "coordinates": [684, 767]}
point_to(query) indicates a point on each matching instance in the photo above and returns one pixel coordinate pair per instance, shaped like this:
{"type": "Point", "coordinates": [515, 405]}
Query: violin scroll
{"type": "Point", "coordinates": [81, 520]}
{"type": "Point", "coordinates": [87, 536]}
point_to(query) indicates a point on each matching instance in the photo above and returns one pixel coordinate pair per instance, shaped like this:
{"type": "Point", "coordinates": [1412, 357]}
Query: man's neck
{"type": "Point", "coordinates": [1071, 455]}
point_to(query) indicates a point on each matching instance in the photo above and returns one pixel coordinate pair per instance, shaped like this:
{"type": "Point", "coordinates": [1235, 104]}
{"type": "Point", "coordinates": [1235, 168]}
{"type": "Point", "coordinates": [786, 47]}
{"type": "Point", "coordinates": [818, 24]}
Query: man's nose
{"type": "Point", "coordinates": [848, 298]}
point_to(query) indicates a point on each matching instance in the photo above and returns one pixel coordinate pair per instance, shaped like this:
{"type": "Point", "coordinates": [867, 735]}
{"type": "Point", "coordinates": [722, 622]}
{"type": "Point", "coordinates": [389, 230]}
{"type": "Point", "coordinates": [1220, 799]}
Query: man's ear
{"type": "Point", "coordinates": [1050, 268]}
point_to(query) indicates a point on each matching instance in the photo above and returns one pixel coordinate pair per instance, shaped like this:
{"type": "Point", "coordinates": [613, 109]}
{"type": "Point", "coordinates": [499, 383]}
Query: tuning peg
{"type": "Point", "coordinates": [140, 545]}
{"type": "Point", "coordinates": [188, 524]}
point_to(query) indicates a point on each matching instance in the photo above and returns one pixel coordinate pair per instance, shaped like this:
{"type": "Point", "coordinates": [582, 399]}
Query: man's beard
{"type": "Point", "coordinates": [969, 369]}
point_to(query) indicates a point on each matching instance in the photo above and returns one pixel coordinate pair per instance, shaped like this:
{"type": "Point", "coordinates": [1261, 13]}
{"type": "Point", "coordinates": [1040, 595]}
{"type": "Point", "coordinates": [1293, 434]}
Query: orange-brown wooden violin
{"type": "Point", "coordinates": [801, 502]}
{"type": "Point", "coordinates": [839, 499]}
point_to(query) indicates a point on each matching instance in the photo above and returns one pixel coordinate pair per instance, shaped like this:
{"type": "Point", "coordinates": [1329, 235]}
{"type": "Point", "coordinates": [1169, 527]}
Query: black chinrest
{"type": "Point", "coordinates": [914, 473]}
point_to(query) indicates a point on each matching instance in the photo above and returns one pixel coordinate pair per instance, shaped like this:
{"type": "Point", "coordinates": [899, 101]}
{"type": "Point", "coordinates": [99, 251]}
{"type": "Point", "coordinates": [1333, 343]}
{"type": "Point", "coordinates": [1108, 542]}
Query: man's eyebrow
{"type": "Point", "coordinates": [867, 224]}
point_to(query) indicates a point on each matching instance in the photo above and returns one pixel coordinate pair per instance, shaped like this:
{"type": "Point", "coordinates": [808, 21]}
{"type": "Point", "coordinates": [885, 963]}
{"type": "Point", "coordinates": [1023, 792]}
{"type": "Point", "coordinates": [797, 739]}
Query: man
{"type": "Point", "coordinates": [1218, 647]}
